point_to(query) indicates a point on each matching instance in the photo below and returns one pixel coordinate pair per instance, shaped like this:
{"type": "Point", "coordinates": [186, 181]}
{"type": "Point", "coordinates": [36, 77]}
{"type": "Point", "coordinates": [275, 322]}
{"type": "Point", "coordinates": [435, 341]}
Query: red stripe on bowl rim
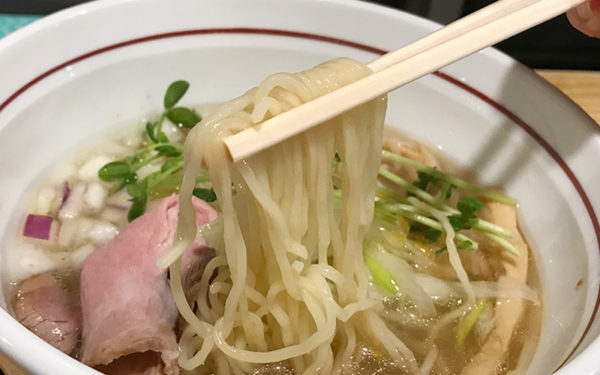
{"type": "Point", "coordinates": [363, 47]}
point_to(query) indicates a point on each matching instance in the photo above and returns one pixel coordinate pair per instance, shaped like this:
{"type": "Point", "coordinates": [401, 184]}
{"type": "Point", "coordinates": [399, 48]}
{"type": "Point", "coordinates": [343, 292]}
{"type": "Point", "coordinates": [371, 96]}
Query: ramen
{"type": "Point", "coordinates": [339, 251]}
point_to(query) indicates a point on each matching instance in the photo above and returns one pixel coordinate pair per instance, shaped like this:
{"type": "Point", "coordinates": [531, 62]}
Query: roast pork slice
{"type": "Point", "coordinates": [127, 306]}
{"type": "Point", "coordinates": [48, 310]}
{"type": "Point", "coordinates": [147, 363]}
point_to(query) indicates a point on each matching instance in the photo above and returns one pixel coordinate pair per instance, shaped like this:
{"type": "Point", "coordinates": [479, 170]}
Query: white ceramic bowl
{"type": "Point", "coordinates": [79, 74]}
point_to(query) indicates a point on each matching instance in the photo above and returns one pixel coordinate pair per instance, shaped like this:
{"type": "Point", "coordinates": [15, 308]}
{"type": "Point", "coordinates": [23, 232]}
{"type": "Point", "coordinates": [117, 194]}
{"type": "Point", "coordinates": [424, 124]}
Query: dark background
{"type": "Point", "coordinates": [554, 44]}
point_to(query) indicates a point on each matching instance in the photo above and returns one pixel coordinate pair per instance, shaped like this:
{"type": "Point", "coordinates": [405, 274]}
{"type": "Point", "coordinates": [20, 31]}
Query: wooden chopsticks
{"type": "Point", "coordinates": [488, 26]}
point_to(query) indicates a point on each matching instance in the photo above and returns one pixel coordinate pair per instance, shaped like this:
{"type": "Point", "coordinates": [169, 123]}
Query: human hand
{"type": "Point", "coordinates": [586, 18]}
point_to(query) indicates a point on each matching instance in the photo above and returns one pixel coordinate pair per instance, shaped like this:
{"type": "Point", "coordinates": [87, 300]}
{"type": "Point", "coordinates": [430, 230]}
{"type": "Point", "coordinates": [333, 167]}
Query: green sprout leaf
{"type": "Point", "coordinates": [455, 181]}
{"type": "Point", "coordinates": [161, 137]}
{"type": "Point", "coordinates": [150, 131]}
{"type": "Point", "coordinates": [432, 235]}
{"type": "Point", "coordinates": [138, 158]}
{"type": "Point", "coordinates": [168, 150]}
{"type": "Point", "coordinates": [423, 180]}
{"type": "Point", "coordinates": [138, 198]}
{"type": "Point", "coordinates": [390, 204]}
{"type": "Point", "coordinates": [115, 170]}
{"type": "Point", "coordinates": [440, 251]}
{"type": "Point", "coordinates": [207, 195]}
{"type": "Point", "coordinates": [467, 219]}
{"type": "Point", "coordinates": [446, 191]}
{"type": "Point", "coordinates": [466, 244]}
{"type": "Point", "coordinates": [136, 191]}
{"type": "Point", "coordinates": [183, 117]}
{"type": "Point", "coordinates": [155, 133]}
{"type": "Point", "coordinates": [460, 222]}
{"type": "Point", "coordinates": [174, 93]}
{"type": "Point", "coordinates": [124, 172]}
{"type": "Point", "coordinates": [172, 165]}
{"type": "Point", "coordinates": [137, 209]}
{"type": "Point", "coordinates": [469, 204]}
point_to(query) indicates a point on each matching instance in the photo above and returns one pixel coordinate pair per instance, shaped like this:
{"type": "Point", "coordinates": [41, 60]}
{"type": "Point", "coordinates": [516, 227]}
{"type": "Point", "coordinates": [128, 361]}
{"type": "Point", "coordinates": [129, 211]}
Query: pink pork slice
{"type": "Point", "coordinates": [47, 309]}
{"type": "Point", "coordinates": [127, 306]}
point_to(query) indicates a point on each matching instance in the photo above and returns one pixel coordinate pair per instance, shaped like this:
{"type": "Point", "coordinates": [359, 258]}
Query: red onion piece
{"type": "Point", "coordinates": [38, 226]}
{"type": "Point", "coordinates": [66, 191]}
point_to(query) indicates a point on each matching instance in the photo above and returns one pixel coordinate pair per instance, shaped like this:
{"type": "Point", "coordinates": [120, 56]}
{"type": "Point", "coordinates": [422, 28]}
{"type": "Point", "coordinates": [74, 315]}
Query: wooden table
{"type": "Point", "coordinates": [583, 87]}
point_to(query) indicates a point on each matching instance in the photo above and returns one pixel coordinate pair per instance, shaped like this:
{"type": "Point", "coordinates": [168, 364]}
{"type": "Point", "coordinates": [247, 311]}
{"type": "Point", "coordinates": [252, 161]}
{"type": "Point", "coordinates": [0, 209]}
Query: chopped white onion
{"type": "Point", "coordinates": [72, 207]}
{"type": "Point", "coordinates": [172, 132]}
{"type": "Point", "coordinates": [63, 173]}
{"type": "Point", "coordinates": [132, 140]}
{"type": "Point", "coordinates": [144, 171]}
{"type": "Point", "coordinates": [119, 200]}
{"type": "Point", "coordinates": [102, 232]}
{"type": "Point", "coordinates": [46, 196]}
{"type": "Point", "coordinates": [116, 216]}
{"type": "Point", "coordinates": [94, 196]}
{"type": "Point", "coordinates": [74, 231]}
{"type": "Point", "coordinates": [67, 232]}
{"type": "Point", "coordinates": [25, 260]}
{"type": "Point", "coordinates": [89, 170]}
{"type": "Point", "coordinates": [78, 256]}
{"type": "Point", "coordinates": [115, 149]}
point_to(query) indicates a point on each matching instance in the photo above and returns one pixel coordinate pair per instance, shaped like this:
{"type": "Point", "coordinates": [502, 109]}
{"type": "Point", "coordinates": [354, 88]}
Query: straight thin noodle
{"type": "Point", "coordinates": [279, 305]}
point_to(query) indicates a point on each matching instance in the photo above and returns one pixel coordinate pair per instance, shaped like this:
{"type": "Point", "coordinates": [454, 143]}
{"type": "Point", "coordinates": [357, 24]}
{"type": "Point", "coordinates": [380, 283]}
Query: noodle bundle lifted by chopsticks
{"type": "Point", "coordinates": [288, 283]}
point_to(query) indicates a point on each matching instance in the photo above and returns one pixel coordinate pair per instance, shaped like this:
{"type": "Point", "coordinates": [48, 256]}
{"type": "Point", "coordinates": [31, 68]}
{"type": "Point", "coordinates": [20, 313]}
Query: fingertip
{"type": "Point", "coordinates": [595, 7]}
{"type": "Point", "coordinates": [586, 18]}
{"type": "Point", "coordinates": [580, 14]}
